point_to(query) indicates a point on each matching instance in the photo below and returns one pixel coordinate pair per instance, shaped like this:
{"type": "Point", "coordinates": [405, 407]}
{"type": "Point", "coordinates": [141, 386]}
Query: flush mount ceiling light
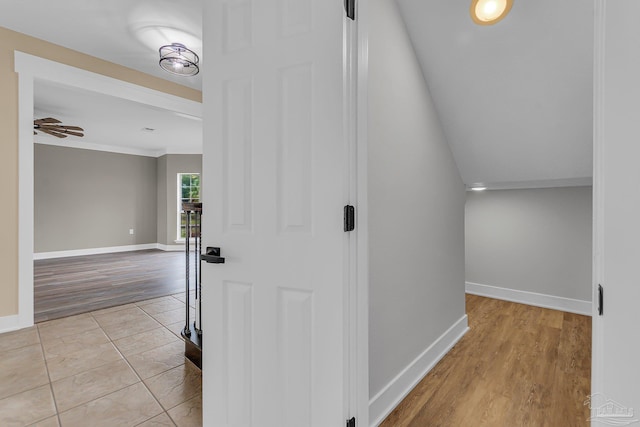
{"type": "Point", "coordinates": [489, 12]}
{"type": "Point", "coordinates": [177, 59]}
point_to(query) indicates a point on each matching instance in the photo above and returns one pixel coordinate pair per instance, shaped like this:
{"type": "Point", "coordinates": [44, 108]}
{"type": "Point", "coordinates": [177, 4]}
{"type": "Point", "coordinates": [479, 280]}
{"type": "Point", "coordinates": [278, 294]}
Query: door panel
{"type": "Point", "coordinates": [237, 151]}
{"type": "Point", "coordinates": [294, 151]}
{"type": "Point", "coordinates": [238, 318]}
{"type": "Point", "coordinates": [274, 183]}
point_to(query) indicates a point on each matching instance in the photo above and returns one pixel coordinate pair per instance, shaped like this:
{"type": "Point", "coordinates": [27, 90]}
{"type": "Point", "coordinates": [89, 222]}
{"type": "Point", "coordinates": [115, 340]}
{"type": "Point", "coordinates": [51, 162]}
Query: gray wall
{"type": "Point", "coordinates": [171, 165]}
{"type": "Point", "coordinates": [536, 240]}
{"type": "Point", "coordinates": [90, 199]}
{"type": "Point", "coordinates": [163, 196]}
{"type": "Point", "coordinates": [87, 199]}
{"type": "Point", "coordinates": [416, 207]}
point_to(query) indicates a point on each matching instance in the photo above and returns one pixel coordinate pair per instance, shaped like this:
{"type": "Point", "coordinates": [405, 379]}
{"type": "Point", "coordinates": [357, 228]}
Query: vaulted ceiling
{"type": "Point", "coordinates": [515, 99]}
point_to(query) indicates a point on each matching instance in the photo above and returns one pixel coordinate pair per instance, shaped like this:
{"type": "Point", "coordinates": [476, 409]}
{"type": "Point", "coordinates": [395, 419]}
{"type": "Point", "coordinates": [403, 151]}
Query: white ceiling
{"type": "Point", "coordinates": [515, 98]}
{"type": "Point", "coordinates": [119, 31]}
{"type": "Point", "coordinates": [115, 124]}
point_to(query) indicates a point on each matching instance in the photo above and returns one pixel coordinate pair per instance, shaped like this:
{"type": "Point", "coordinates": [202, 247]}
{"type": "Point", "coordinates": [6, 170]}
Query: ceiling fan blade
{"type": "Point", "coordinates": [64, 129]}
{"type": "Point", "coordinates": [50, 132]}
{"type": "Point", "coordinates": [78, 128]}
{"type": "Point", "coordinates": [70, 132]}
{"type": "Point", "coordinates": [47, 120]}
{"type": "Point", "coordinates": [61, 127]}
{"type": "Point", "coordinates": [54, 127]}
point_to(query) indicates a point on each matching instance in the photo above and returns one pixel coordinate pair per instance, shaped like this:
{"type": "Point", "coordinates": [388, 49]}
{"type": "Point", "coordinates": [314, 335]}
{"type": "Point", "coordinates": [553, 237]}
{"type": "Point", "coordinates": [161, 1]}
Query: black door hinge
{"type": "Point", "coordinates": [351, 422]}
{"type": "Point", "coordinates": [349, 218]}
{"type": "Point", "coordinates": [600, 300]}
{"type": "Point", "coordinates": [350, 8]}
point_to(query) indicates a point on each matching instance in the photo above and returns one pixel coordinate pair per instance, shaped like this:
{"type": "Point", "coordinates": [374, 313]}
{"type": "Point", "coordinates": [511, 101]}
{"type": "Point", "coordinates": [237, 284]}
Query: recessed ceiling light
{"type": "Point", "coordinates": [488, 12]}
{"type": "Point", "coordinates": [478, 188]}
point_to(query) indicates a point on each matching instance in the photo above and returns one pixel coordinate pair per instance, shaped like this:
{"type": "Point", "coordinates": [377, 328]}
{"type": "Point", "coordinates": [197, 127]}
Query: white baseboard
{"type": "Point", "coordinates": [94, 251]}
{"type": "Point", "coordinates": [171, 248]}
{"type": "Point", "coordinates": [9, 323]}
{"type": "Point", "coordinates": [108, 250]}
{"type": "Point", "coordinates": [531, 298]}
{"type": "Point", "coordinates": [381, 405]}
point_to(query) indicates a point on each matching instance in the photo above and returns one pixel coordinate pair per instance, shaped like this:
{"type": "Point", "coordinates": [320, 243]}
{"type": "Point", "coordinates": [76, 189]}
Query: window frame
{"type": "Point", "coordinates": [179, 198]}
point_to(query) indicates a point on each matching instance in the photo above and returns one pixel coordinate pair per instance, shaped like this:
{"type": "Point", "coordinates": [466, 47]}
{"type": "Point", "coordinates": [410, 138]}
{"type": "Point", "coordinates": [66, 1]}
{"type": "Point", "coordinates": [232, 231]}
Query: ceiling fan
{"type": "Point", "coordinates": [54, 127]}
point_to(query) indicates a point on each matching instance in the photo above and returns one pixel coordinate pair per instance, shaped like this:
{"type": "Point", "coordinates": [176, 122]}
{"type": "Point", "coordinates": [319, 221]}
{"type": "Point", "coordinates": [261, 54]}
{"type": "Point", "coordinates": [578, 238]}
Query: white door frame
{"type": "Point", "coordinates": [597, 346]}
{"type": "Point", "coordinates": [357, 314]}
{"type": "Point", "coordinates": [361, 381]}
{"type": "Point", "coordinates": [598, 207]}
{"type": "Point", "coordinates": [30, 68]}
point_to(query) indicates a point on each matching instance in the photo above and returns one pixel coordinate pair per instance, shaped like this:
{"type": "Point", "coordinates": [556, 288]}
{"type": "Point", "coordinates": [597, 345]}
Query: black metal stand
{"type": "Point", "coordinates": [192, 332]}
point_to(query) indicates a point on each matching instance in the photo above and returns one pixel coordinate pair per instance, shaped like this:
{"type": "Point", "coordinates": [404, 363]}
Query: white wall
{"type": "Point", "coordinates": [416, 232]}
{"type": "Point", "coordinates": [534, 240]}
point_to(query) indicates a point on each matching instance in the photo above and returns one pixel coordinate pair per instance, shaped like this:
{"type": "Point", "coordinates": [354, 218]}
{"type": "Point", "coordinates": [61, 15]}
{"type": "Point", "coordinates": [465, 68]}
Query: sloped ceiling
{"type": "Point", "coordinates": [515, 98]}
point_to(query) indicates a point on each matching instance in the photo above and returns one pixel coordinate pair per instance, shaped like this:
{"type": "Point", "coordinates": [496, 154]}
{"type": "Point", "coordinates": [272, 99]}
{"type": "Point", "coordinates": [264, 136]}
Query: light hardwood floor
{"type": "Point", "coordinates": [518, 366]}
{"type": "Point", "coordinates": [68, 286]}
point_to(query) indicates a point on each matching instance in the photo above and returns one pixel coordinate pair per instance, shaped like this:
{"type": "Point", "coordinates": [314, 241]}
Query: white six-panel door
{"type": "Point", "coordinates": [275, 179]}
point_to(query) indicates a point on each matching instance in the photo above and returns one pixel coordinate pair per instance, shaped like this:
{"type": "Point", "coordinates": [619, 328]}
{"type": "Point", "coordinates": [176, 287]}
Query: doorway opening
{"type": "Point", "coordinates": [32, 72]}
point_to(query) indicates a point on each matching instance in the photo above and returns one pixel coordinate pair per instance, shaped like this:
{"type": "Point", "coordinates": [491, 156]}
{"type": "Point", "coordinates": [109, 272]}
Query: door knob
{"type": "Point", "coordinates": [212, 256]}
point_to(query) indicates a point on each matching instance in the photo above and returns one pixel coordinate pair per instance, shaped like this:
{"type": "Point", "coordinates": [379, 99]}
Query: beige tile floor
{"type": "Point", "coordinates": [123, 366]}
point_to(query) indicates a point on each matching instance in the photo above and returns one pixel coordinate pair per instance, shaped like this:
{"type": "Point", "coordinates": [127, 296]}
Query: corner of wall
{"type": "Point", "coordinates": [383, 403]}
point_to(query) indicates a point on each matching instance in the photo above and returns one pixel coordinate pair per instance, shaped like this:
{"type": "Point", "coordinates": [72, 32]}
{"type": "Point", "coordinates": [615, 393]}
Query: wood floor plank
{"type": "Point", "coordinates": [517, 366]}
{"type": "Point", "coordinates": [68, 286]}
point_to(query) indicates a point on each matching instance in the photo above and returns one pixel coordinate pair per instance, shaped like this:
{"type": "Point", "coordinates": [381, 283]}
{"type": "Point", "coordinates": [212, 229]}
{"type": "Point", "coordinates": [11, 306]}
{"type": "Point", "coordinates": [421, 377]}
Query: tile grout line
{"type": "Point", "coordinates": [88, 370]}
{"type": "Point", "coordinates": [186, 361]}
{"type": "Point", "coordinates": [194, 365]}
{"type": "Point", "coordinates": [32, 388]}
{"type": "Point", "coordinates": [111, 341]}
{"type": "Point", "coordinates": [126, 336]}
{"type": "Point", "coordinates": [80, 372]}
{"type": "Point", "coordinates": [138, 375]}
{"type": "Point", "coordinates": [112, 392]}
{"type": "Point", "coordinates": [46, 365]}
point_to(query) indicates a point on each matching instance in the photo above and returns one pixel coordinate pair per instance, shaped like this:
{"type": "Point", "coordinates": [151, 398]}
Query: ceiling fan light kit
{"type": "Point", "coordinates": [177, 59]}
{"type": "Point", "coordinates": [489, 12]}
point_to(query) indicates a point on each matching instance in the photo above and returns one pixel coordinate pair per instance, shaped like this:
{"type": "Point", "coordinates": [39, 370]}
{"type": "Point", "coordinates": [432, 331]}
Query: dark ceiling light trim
{"type": "Point", "coordinates": [489, 12]}
{"type": "Point", "coordinates": [177, 59]}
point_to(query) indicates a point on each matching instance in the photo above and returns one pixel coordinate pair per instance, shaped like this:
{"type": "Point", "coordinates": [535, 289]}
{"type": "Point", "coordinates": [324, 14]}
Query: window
{"type": "Point", "coordinates": [188, 191]}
